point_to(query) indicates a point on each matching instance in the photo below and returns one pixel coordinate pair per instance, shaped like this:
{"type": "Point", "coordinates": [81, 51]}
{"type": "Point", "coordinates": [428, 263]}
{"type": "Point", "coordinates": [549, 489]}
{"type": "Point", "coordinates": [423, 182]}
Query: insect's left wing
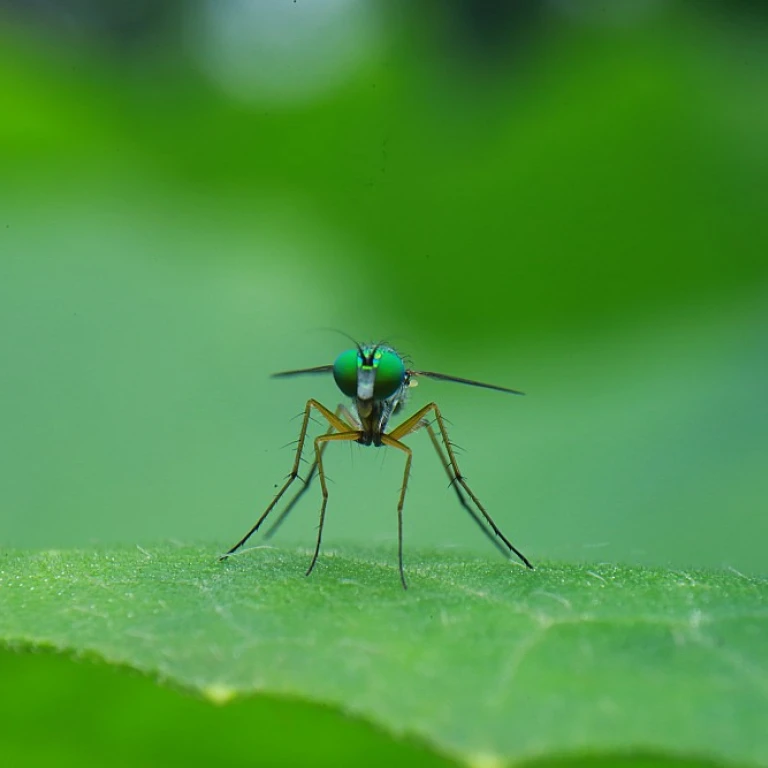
{"type": "Point", "coordinates": [301, 371]}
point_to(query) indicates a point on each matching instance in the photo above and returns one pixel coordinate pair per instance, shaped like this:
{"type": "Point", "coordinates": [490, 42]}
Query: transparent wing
{"type": "Point", "coordinates": [459, 380]}
{"type": "Point", "coordinates": [301, 371]}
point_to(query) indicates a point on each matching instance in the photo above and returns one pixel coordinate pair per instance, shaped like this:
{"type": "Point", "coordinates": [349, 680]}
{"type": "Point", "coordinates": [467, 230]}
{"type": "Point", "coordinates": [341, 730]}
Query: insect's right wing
{"type": "Point", "coordinates": [459, 380]}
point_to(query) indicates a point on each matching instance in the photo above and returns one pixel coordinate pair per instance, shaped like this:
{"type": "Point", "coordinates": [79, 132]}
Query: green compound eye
{"type": "Point", "coordinates": [390, 373]}
{"type": "Point", "coordinates": [345, 372]}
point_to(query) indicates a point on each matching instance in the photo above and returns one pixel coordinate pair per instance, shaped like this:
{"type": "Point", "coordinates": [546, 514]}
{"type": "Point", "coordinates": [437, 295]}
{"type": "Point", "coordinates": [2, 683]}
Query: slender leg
{"type": "Point", "coordinates": [392, 442]}
{"type": "Point", "coordinates": [333, 421]}
{"type": "Point", "coordinates": [454, 484]}
{"type": "Point", "coordinates": [411, 424]}
{"type": "Point", "coordinates": [319, 445]}
{"type": "Point", "coordinates": [343, 413]}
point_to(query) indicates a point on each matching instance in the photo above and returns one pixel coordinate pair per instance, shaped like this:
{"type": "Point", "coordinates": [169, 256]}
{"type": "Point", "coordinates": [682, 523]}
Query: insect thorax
{"type": "Point", "coordinates": [374, 415]}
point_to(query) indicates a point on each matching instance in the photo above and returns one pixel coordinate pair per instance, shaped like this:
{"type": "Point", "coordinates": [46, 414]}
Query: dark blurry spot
{"type": "Point", "coordinates": [756, 8]}
{"type": "Point", "coordinates": [488, 29]}
{"type": "Point", "coordinates": [126, 23]}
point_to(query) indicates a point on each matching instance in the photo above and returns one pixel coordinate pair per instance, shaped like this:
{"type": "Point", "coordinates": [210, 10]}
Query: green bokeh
{"type": "Point", "coordinates": [584, 220]}
{"type": "Point", "coordinates": [91, 711]}
{"type": "Point", "coordinates": [577, 211]}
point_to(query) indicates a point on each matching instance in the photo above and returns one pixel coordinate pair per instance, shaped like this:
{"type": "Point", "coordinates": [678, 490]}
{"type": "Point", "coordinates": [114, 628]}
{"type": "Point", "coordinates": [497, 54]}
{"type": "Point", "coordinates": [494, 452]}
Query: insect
{"type": "Point", "coordinates": [377, 380]}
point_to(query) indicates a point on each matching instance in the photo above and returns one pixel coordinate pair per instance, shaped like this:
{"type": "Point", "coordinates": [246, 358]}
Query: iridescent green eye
{"type": "Point", "coordinates": [345, 372]}
{"type": "Point", "coordinates": [390, 373]}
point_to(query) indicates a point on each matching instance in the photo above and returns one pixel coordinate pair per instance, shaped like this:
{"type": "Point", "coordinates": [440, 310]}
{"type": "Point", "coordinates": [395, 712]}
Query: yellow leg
{"type": "Point", "coordinates": [319, 446]}
{"type": "Point", "coordinates": [341, 412]}
{"type": "Point", "coordinates": [394, 443]}
{"type": "Point", "coordinates": [336, 423]}
{"type": "Point", "coordinates": [413, 423]}
{"type": "Point", "coordinates": [457, 488]}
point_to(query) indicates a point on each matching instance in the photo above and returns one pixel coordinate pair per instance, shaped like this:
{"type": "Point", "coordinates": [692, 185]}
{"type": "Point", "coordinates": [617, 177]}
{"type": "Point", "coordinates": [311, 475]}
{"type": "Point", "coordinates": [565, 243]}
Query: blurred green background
{"type": "Point", "coordinates": [567, 198]}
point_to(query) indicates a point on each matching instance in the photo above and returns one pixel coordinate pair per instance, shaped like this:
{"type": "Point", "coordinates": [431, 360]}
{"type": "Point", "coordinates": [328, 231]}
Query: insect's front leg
{"type": "Point", "coordinates": [394, 443]}
{"type": "Point", "coordinates": [320, 443]}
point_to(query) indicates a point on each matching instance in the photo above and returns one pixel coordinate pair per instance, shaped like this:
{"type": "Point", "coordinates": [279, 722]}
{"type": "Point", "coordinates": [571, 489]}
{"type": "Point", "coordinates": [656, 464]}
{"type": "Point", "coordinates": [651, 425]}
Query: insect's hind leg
{"type": "Point", "coordinates": [343, 413]}
{"type": "Point", "coordinates": [457, 488]}
{"type": "Point", "coordinates": [411, 424]}
{"type": "Point", "coordinates": [333, 421]}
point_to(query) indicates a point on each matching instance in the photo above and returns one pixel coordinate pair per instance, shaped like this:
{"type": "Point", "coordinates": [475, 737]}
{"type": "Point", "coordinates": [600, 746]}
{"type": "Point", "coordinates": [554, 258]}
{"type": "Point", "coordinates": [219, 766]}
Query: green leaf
{"type": "Point", "coordinates": [485, 662]}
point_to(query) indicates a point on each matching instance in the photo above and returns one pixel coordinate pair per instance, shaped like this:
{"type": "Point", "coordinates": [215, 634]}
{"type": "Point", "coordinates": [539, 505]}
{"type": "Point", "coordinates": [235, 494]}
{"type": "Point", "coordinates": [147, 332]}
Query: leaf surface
{"type": "Point", "coordinates": [483, 661]}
